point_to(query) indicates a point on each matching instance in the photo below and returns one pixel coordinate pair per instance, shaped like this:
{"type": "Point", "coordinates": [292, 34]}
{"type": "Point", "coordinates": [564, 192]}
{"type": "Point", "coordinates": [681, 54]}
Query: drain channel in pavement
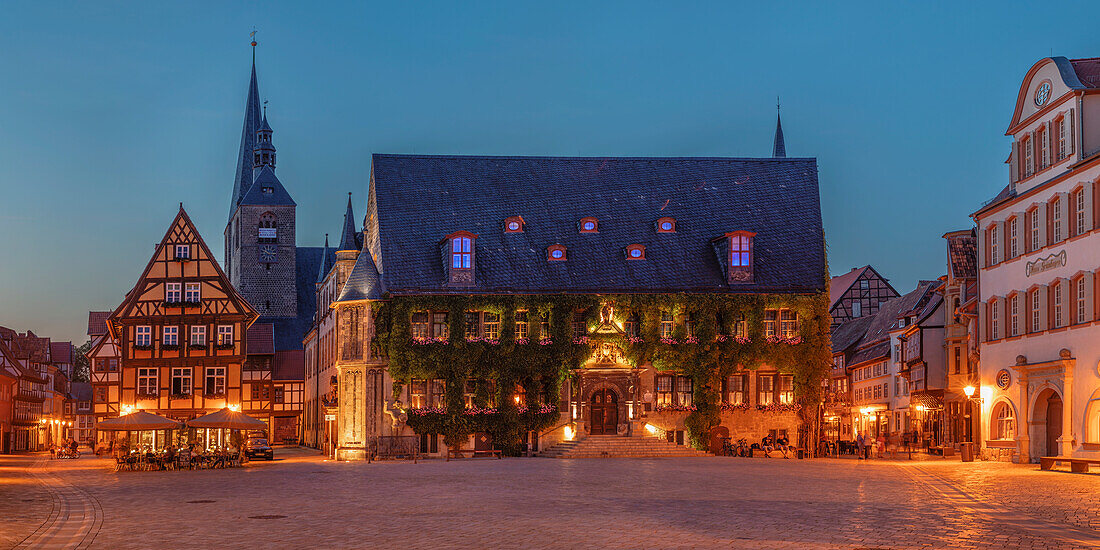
{"type": "Point", "coordinates": [267, 517]}
{"type": "Point", "coordinates": [200, 501]}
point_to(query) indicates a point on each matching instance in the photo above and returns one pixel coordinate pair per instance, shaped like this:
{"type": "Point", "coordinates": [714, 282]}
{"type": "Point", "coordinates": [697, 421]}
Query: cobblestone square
{"type": "Point", "coordinates": [301, 501]}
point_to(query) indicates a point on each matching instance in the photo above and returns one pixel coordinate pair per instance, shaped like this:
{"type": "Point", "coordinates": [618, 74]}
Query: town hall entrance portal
{"type": "Point", "coordinates": [604, 412]}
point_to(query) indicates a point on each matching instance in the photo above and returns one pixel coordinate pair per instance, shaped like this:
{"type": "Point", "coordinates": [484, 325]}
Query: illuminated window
{"type": "Point", "coordinates": [418, 328]}
{"type": "Point", "coordinates": [521, 324]}
{"type": "Point", "coordinates": [1004, 422]}
{"type": "Point", "coordinates": [181, 380]}
{"type": "Point", "coordinates": [440, 329]}
{"type": "Point", "coordinates": [786, 389]}
{"type": "Point", "coordinates": [666, 225]}
{"type": "Point", "coordinates": [461, 257]}
{"type": "Point", "coordinates": [664, 389]}
{"type": "Point", "coordinates": [438, 396]}
{"type": "Point", "coordinates": [765, 389]}
{"type": "Point", "coordinates": [589, 225]}
{"type": "Point", "coordinates": [635, 252]}
{"type": "Point", "coordinates": [492, 325]}
{"type": "Point", "coordinates": [225, 335]}
{"type": "Point", "coordinates": [788, 324]}
{"type": "Point", "coordinates": [684, 390]}
{"type": "Point", "coordinates": [555, 253]}
{"type": "Point", "coordinates": [513, 224]}
{"type": "Point", "coordinates": [666, 324]}
{"type": "Point", "coordinates": [215, 381]}
{"type": "Point", "coordinates": [770, 318]}
{"type": "Point", "coordinates": [418, 394]}
{"type": "Point", "coordinates": [736, 388]}
{"type": "Point", "coordinates": [740, 251]}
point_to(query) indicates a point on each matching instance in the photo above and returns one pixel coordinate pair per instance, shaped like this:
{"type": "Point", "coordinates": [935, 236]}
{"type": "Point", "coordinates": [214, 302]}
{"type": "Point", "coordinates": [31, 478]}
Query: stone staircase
{"type": "Point", "coordinates": [608, 446]}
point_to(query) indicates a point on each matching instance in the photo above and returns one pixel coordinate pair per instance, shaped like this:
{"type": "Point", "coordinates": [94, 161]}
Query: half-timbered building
{"type": "Point", "coordinates": [858, 293]}
{"type": "Point", "coordinates": [180, 334]}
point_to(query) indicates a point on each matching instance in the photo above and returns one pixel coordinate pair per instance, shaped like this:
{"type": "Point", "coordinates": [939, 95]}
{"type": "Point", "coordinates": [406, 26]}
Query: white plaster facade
{"type": "Point", "coordinates": [1040, 331]}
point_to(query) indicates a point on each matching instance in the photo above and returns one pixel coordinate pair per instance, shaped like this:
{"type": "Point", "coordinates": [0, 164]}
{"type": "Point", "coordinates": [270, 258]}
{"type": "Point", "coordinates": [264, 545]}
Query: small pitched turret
{"type": "Point", "coordinates": [326, 265]}
{"type": "Point", "coordinates": [264, 154]}
{"type": "Point", "coordinates": [779, 148]}
{"type": "Point", "coordinates": [350, 238]}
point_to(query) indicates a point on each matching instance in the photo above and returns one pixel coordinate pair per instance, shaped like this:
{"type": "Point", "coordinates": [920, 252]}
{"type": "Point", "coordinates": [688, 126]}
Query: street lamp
{"type": "Point", "coordinates": [969, 391]}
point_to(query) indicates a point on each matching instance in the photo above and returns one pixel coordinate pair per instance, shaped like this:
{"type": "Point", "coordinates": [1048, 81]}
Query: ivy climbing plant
{"type": "Point", "coordinates": [541, 362]}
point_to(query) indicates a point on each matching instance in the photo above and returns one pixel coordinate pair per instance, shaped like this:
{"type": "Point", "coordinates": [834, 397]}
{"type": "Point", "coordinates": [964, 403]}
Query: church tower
{"type": "Point", "coordinates": [260, 253]}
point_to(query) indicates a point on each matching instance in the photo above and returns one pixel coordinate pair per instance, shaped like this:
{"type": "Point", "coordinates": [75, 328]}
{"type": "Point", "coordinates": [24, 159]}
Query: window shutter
{"type": "Point", "coordinates": [1014, 163]}
{"type": "Point", "coordinates": [1002, 314]}
{"type": "Point", "coordinates": [1035, 158]}
{"type": "Point", "coordinates": [1090, 204]}
{"type": "Point", "coordinates": [1061, 210]}
{"type": "Point", "coordinates": [1071, 134]}
{"type": "Point", "coordinates": [1067, 303]}
{"type": "Point", "coordinates": [988, 247]}
{"type": "Point", "coordinates": [1048, 141]}
{"type": "Point", "coordinates": [1026, 231]}
{"type": "Point", "coordinates": [1044, 225]}
{"type": "Point", "coordinates": [983, 322]}
{"type": "Point", "coordinates": [1044, 307]}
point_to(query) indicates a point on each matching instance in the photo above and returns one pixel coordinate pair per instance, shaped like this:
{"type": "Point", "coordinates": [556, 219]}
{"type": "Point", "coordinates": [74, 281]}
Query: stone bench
{"type": "Point", "coordinates": [461, 453]}
{"type": "Point", "coordinates": [1076, 465]}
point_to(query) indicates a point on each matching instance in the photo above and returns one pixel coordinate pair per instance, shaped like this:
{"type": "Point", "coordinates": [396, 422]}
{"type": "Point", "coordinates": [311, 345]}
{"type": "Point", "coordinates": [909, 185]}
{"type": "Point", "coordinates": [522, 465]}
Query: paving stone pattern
{"type": "Point", "coordinates": [585, 503]}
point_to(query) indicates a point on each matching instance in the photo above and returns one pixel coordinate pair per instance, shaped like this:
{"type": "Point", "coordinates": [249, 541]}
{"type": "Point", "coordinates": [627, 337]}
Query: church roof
{"type": "Point", "coordinates": [265, 177]}
{"type": "Point", "coordinates": [350, 237]}
{"type": "Point", "coordinates": [243, 178]}
{"type": "Point", "coordinates": [418, 200]}
{"type": "Point", "coordinates": [363, 283]}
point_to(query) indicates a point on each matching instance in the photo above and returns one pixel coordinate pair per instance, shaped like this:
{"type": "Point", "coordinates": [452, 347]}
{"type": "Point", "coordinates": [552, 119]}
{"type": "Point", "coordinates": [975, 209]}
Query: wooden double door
{"type": "Point", "coordinates": [604, 410]}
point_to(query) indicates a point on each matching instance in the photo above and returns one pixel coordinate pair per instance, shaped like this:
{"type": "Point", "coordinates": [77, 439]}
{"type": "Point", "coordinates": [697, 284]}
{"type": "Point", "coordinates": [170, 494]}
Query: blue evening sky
{"type": "Point", "coordinates": [112, 113]}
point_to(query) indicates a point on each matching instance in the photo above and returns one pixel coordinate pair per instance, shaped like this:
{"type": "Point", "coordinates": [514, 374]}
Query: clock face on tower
{"type": "Point", "coordinates": [267, 253]}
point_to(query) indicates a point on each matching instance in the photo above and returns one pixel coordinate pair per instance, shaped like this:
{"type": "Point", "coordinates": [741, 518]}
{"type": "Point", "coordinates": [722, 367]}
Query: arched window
{"type": "Point", "coordinates": [1003, 422]}
{"type": "Point", "coordinates": [635, 252]}
{"type": "Point", "coordinates": [589, 225]}
{"type": "Point", "coordinates": [513, 224]}
{"type": "Point", "coordinates": [666, 225]}
{"type": "Point", "coordinates": [267, 228]}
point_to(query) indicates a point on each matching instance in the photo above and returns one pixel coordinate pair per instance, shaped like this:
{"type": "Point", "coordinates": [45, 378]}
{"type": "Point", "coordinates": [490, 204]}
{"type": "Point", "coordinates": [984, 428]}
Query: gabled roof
{"type": "Point", "coordinates": [255, 196]}
{"type": "Point", "coordinates": [31, 347]}
{"type": "Point", "coordinates": [61, 352]}
{"type": "Point", "coordinates": [421, 199]}
{"type": "Point", "coordinates": [1087, 71]}
{"type": "Point", "coordinates": [97, 322]}
{"type": "Point", "coordinates": [962, 254]}
{"type": "Point", "coordinates": [363, 283]}
{"type": "Point", "coordinates": [841, 283]}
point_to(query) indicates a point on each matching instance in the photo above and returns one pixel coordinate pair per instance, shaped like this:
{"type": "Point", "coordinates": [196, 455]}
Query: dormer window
{"type": "Point", "coordinates": [740, 257]}
{"type": "Point", "coordinates": [513, 224]}
{"type": "Point", "coordinates": [268, 190]}
{"type": "Point", "coordinates": [459, 247]}
{"type": "Point", "coordinates": [555, 253]}
{"type": "Point", "coordinates": [666, 225]}
{"type": "Point", "coordinates": [589, 225]}
{"type": "Point", "coordinates": [635, 252]}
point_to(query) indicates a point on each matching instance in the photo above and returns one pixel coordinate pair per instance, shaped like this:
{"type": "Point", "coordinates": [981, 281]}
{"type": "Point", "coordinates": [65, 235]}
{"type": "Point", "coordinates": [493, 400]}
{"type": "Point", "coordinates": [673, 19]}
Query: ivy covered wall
{"type": "Point", "coordinates": [541, 362]}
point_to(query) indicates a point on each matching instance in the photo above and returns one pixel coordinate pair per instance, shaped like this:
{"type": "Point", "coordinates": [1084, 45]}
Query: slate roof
{"type": "Point", "coordinates": [81, 391]}
{"type": "Point", "coordinates": [849, 333]}
{"type": "Point", "coordinates": [61, 352]}
{"type": "Point", "coordinates": [875, 343]}
{"type": "Point", "coordinates": [350, 236]}
{"type": "Point", "coordinates": [242, 181]}
{"type": "Point", "coordinates": [265, 177]}
{"type": "Point", "coordinates": [97, 322]}
{"type": "Point", "coordinates": [779, 146]}
{"type": "Point", "coordinates": [363, 283]}
{"type": "Point", "coordinates": [261, 339]}
{"type": "Point", "coordinates": [418, 200]}
{"type": "Point", "coordinates": [962, 255]}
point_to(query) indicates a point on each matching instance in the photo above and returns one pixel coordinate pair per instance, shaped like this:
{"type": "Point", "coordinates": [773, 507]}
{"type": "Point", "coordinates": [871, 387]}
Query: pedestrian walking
{"type": "Point", "coordinates": [859, 445]}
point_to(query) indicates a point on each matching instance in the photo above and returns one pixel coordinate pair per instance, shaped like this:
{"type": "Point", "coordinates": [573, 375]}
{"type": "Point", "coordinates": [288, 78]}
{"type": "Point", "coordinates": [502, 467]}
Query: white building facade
{"type": "Point", "coordinates": [1039, 252]}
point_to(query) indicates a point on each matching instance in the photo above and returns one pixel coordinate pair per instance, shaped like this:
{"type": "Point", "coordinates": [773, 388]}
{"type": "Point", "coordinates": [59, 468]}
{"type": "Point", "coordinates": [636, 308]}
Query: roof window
{"type": "Point", "coordinates": [513, 224]}
{"type": "Point", "coordinates": [589, 225]}
{"type": "Point", "coordinates": [666, 225]}
{"type": "Point", "coordinates": [635, 252]}
{"type": "Point", "coordinates": [555, 253]}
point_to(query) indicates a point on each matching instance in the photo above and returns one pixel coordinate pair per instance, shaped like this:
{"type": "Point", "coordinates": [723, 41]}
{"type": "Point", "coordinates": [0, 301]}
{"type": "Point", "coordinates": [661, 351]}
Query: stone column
{"type": "Point", "coordinates": [1065, 441]}
{"type": "Point", "coordinates": [1023, 423]}
{"type": "Point", "coordinates": [351, 418]}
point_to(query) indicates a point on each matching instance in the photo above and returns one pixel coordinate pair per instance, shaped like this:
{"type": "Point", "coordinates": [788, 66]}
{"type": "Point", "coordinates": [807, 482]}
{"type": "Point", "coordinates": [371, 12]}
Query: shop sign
{"type": "Point", "coordinates": [1053, 261]}
{"type": "Point", "coordinates": [330, 417]}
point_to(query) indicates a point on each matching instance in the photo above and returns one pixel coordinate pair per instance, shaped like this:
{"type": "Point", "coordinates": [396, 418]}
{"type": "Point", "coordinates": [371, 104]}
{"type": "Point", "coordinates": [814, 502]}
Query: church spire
{"type": "Point", "coordinates": [242, 181]}
{"type": "Point", "coordinates": [779, 148]}
{"type": "Point", "coordinates": [349, 239]}
{"type": "Point", "coordinates": [325, 264]}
